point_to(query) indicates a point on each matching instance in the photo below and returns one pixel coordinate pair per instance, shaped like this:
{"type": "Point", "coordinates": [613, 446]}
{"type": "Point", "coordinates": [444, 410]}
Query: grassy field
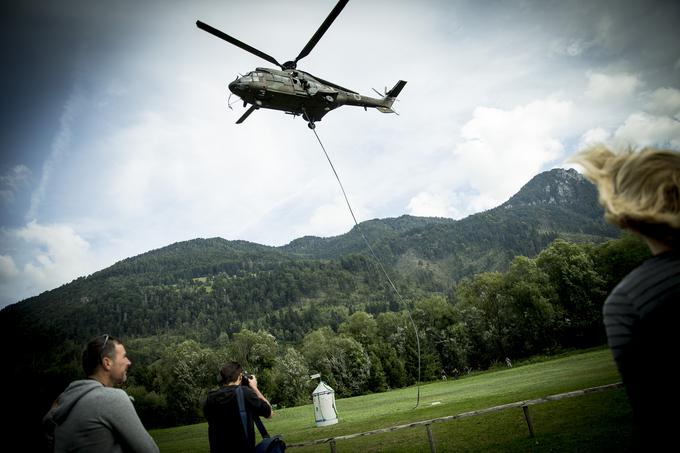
{"type": "Point", "coordinates": [597, 422]}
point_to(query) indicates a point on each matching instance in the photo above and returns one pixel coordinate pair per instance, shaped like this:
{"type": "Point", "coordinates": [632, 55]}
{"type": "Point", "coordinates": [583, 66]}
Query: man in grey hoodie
{"type": "Point", "coordinates": [93, 416]}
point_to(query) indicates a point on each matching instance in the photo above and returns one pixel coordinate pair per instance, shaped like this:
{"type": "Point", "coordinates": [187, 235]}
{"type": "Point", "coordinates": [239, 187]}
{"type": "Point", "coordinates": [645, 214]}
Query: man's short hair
{"type": "Point", "coordinates": [97, 348]}
{"type": "Point", "coordinates": [639, 190]}
{"type": "Point", "coordinates": [230, 372]}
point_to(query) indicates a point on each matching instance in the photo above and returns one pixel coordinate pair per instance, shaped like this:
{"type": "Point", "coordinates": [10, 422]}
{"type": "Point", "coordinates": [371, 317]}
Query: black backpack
{"type": "Point", "coordinates": [269, 444]}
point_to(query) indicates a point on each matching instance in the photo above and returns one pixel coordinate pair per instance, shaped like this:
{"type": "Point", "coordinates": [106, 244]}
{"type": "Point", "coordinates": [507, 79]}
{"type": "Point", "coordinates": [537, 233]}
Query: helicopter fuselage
{"type": "Point", "coordinates": [298, 93]}
{"type": "Point", "coordinates": [293, 91]}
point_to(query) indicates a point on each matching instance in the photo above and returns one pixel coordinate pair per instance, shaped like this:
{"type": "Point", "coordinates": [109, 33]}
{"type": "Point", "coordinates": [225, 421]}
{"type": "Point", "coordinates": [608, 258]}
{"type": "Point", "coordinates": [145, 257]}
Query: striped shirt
{"type": "Point", "coordinates": [642, 319]}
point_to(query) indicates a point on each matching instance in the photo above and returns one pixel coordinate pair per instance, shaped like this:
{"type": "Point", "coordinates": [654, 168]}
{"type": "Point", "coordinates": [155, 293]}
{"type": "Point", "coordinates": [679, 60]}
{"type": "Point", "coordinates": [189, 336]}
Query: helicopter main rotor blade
{"type": "Point", "coordinates": [236, 42]}
{"type": "Point", "coordinates": [322, 29]}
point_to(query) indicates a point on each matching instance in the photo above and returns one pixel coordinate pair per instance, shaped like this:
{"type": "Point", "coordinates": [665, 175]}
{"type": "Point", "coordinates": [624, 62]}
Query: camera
{"type": "Point", "coordinates": [246, 378]}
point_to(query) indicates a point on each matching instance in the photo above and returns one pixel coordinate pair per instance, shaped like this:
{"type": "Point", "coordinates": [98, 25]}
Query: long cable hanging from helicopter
{"type": "Point", "coordinates": [298, 92]}
{"type": "Point", "coordinates": [375, 257]}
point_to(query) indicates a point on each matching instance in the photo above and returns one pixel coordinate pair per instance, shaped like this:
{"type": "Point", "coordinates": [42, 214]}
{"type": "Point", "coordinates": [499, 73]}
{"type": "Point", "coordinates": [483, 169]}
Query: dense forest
{"type": "Point", "coordinates": [528, 277]}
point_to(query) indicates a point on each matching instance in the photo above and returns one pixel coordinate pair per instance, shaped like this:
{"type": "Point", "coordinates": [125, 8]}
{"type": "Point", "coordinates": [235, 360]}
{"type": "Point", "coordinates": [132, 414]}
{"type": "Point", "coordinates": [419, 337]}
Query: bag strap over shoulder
{"type": "Point", "coordinates": [244, 415]}
{"type": "Point", "coordinates": [260, 426]}
{"type": "Point", "coordinates": [242, 409]}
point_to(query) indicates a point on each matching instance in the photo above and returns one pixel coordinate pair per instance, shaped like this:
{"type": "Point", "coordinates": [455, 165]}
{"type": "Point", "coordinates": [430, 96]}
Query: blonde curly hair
{"type": "Point", "coordinates": [639, 190]}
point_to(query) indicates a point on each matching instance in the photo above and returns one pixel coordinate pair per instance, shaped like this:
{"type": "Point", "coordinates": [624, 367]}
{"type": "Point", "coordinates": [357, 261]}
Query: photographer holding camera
{"type": "Point", "coordinates": [221, 409]}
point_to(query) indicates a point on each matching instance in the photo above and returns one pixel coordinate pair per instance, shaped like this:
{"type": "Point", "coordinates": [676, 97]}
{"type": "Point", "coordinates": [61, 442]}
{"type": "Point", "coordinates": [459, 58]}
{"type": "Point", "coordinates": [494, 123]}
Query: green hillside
{"type": "Point", "coordinates": [496, 284]}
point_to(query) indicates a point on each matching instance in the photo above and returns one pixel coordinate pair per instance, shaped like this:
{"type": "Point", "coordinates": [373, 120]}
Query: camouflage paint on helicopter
{"type": "Point", "coordinates": [297, 92]}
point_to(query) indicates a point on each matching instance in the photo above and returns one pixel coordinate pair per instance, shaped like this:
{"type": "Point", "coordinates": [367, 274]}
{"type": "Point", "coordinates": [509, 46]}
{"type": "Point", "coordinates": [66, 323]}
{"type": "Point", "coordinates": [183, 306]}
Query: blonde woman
{"type": "Point", "coordinates": [640, 192]}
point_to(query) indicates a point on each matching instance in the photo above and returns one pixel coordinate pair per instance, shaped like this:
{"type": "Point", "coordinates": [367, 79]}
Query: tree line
{"type": "Point", "coordinates": [540, 305]}
{"type": "Point", "coordinates": [285, 321]}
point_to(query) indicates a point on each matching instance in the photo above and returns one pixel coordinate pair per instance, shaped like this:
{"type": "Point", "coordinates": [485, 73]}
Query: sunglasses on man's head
{"type": "Point", "coordinates": [101, 351]}
{"type": "Point", "coordinates": [92, 348]}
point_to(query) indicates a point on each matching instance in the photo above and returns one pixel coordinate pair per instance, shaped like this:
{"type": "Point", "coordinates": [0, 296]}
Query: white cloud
{"type": "Point", "coordinates": [652, 120]}
{"type": "Point", "coordinates": [8, 270]}
{"type": "Point", "coordinates": [164, 164]}
{"type": "Point", "coordinates": [642, 129]}
{"type": "Point", "coordinates": [433, 203]}
{"type": "Point", "coordinates": [665, 101]}
{"type": "Point", "coordinates": [325, 219]}
{"type": "Point", "coordinates": [611, 88]}
{"type": "Point", "coordinates": [42, 258]}
{"type": "Point", "coordinates": [593, 137]}
{"type": "Point", "coordinates": [502, 149]}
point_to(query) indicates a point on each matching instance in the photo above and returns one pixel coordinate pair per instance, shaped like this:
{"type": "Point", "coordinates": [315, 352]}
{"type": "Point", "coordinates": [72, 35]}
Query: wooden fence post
{"type": "Point", "coordinates": [433, 449]}
{"type": "Point", "coordinates": [332, 442]}
{"type": "Point", "coordinates": [527, 416]}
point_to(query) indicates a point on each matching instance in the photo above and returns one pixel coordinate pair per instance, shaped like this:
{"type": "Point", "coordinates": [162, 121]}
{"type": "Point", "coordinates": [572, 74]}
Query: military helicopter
{"type": "Point", "coordinates": [297, 92]}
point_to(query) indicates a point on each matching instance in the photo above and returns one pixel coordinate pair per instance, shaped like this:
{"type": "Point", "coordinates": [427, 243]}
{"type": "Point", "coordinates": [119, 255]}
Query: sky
{"type": "Point", "coordinates": [116, 135]}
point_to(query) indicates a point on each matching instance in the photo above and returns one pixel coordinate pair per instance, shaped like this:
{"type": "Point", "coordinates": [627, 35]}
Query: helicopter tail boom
{"type": "Point", "coordinates": [391, 96]}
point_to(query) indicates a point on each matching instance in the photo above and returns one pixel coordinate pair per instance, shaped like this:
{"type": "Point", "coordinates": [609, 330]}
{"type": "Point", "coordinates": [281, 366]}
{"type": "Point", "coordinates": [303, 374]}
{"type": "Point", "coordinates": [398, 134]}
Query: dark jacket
{"type": "Point", "coordinates": [225, 428]}
{"type": "Point", "coordinates": [641, 317]}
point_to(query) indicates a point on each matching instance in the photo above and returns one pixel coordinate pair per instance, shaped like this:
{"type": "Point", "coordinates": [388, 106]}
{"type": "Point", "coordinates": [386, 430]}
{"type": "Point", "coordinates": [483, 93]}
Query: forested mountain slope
{"type": "Point", "coordinates": [214, 282]}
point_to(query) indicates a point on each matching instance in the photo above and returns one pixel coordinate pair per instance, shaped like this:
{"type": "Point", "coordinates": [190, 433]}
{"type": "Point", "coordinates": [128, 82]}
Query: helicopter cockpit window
{"type": "Point", "coordinates": [252, 77]}
{"type": "Point", "coordinates": [278, 78]}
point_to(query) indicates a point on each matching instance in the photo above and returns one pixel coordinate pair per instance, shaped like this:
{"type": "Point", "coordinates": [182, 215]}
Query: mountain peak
{"type": "Point", "coordinates": [558, 186]}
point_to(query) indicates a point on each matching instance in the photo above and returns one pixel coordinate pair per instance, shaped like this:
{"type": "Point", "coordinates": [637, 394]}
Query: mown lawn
{"type": "Point", "coordinates": [597, 422]}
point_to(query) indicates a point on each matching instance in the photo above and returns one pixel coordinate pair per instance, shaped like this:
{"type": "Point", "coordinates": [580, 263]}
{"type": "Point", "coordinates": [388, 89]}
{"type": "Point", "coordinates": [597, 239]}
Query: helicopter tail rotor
{"type": "Point", "coordinates": [391, 96]}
